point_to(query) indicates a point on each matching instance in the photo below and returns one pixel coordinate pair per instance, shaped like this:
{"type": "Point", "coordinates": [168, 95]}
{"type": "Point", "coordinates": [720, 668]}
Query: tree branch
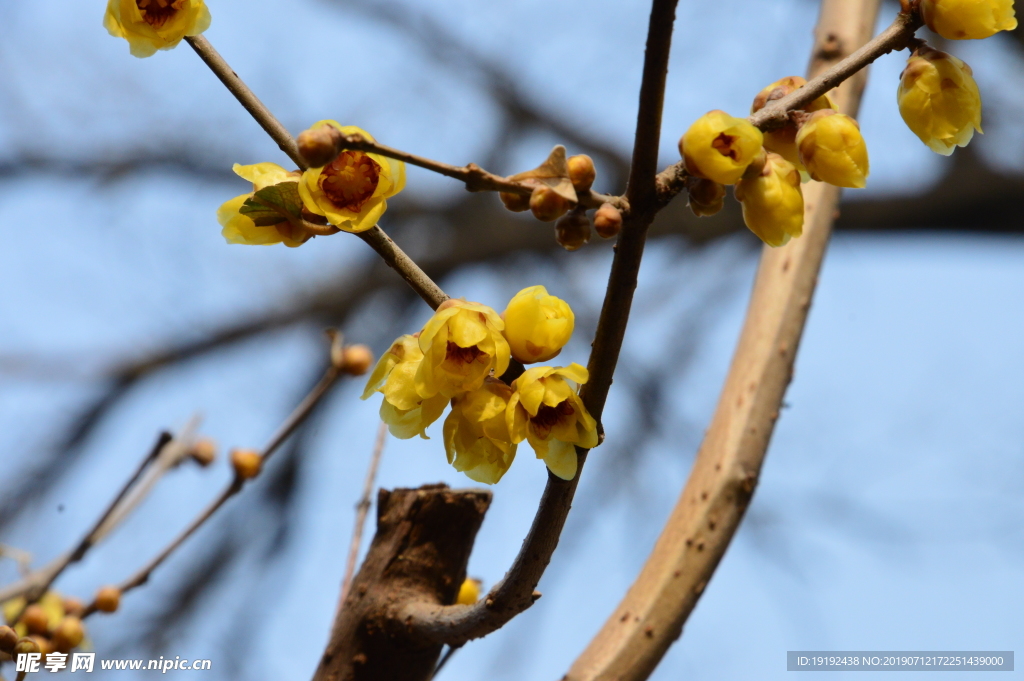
{"type": "Point", "coordinates": [515, 593]}
{"type": "Point", "coordinates": [246, 98]}
{"type": "Point", "coordinates": [298, 415]}
{"type": "Point", "coordinates": [724, 475]}
{"type": "Point", "coordinates": [362, 509]}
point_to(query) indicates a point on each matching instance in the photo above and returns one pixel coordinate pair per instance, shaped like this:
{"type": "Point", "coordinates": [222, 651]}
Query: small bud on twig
{"type": "Point", "coordinates": [517, 203]}
{"type": "Point", "coordinates": [573, 230]}
{"type": "Point", "coordinates": [319, 146]}
{"type": "Point", "coordinates": [35, 620]}
{"type": "Point", "coordinates": [68, 634]}
{"type": "Point", "coordinates": [246, 462]}
{"type": "Point", "coordinates": [581, 172]}
{"type": "Point", "coordinates": [25, 646]}
{"type": "Point", "coordinates": [547, 205]}
{"type": "Point", "coordinates": [8, 639]}
{"type": "Point", "coordinates": [607, 221]}
{"type": "Point", "coordinates": [203, 452]}
{"type": "Point", "coordinates": [108, 598]}
{"type": "Point", "coordinates": [356, 360]}
{"type": "Point", "coordinates": [73, 607]}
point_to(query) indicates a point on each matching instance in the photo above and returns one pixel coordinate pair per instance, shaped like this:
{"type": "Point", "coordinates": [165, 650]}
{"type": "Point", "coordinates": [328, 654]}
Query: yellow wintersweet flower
{"type": "Point", "coordinates": [51, 602]}
{"type": "Point", "coordinates": [461, 344]}
{"type": "Point", "coordinates": [968, 19]}
{"type": "Point", "coordinates": [151, 25]}
{"type": "Point", "coordinates": [240, 229]}
{"type": "Point", "coordinates": [773, 204]}
{"type": "Point", "coordinates": [939, 100]}
{"type": "Point", "coordinates": [469, 592]}
{"type": "Point", "coordinates": [352, 190]}
{"type": "Point", "coordinates": [719, 147]}
{"type": "Point", "coordinates": [403, 409]}
{"type": "Point", "coordinates": [546, 410]}
{"type": "Point", "coordinates": [833, 150]}
{"type": "Point", "coordinates": [783, 140]}
{"type": "Point", "coordinates": [537, 325]}
{"type": "Point", "coordinates": [476, 435]}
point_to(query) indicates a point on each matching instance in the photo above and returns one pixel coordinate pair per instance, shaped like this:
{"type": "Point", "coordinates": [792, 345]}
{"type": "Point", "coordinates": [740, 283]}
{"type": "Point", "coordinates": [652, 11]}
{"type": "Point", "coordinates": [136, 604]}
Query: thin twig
{"type": "Point", "coordinates": [652, 614]}
{"type": "Point", "coordinates": [23, 559]}
{"type": "Point", "coordinates": [443, 661]}
{"type": "Point", "coordinates": [246, 98]}
{"type": "Point", "coordinates": [34, 585]}
{"type": "Point", "coordinates": [362, 509]}
{"type": "Point", "coordinates": [406, 267]}
{"type": "Point", "coordinates": [456, 624]}
{"type": "Point", "coordinates": [298, 415]}
{"type": "Point", "coordinates": [475, 178]}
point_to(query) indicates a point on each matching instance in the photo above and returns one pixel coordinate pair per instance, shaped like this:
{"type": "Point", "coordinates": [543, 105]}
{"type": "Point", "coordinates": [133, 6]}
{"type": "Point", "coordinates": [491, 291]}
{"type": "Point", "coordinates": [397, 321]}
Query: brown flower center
{"type": "Point", "coordinates": [350, 180]}
{"type": "Point", "coordinates": [156, 13]}
{"type": "Point", "coordinates": [461, 355]}
{"type": "Point", "coordinates": [723, 145]}
{"type": "Point", "coordinates": [548, 417]}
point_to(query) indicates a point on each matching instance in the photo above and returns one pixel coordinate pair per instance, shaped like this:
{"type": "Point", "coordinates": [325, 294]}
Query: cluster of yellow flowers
{"type": "Point", "coordinates": [53, 624]}
{"type": "Point", "coordinates": [766, 168]}
{"type": "Point", "coordinates": [937, 97]}
{"type": "Point", "coordinates": [459, 357]}
{"type": "Point", "coordinates": [350, 194]}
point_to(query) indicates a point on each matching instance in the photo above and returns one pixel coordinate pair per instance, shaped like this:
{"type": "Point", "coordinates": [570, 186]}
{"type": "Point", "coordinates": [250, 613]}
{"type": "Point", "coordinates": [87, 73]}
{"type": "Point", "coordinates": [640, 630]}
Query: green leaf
{"type": "Point", "coordinates": [274, 204]}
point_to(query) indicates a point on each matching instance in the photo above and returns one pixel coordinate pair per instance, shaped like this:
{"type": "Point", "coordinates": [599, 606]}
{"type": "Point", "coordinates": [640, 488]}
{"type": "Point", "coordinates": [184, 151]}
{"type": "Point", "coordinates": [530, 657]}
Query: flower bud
{"type": "Point", "coordinates": [773, 204]}
{"type": "Point", "coordinates": [35, 619]}
{"type": "Point", "coordinates": [203, 452]}
{"type": "Point", "coordinates": [8, 639]}
{"type": "Point", "coordinates": [517, 203]}
{"type": "Point", "coordinates": [73, 606]}
{"type": "Point", "coordinates": [469, 592]}
{"type": "Point", "coordinates": [573, 230]}
{"type": "Point", "coordinates": [108, 598]}
{"type": "Point", "coordinates": [547, 205]}
{"type": "Point", "coordinates": [26, 646]}
{"type": "Point", "coordinates": [581, 172]}
{"type": "Point", "coordinates": [356, 360]}
{"type": "Point", "coordinates": [43, 644]}
{"type": "Point", "coordinates": [607, 221]}
{"type": "Point", "coordinates": [833, 150]}
{"type": "Point", "coordinates": [68, 634]}
{"type": "Point", "coordinates": [706, 197]}
{"type": "Point", "coordinates": [246, 462]}
{"type": "Point", "coordinates": [318, 145]}
{"type": "Point", "coordinates": [939, 100]}
{"type": "Point", "coordinates": [968, 19]}
{"type": "Point", "coordinates": [719, 147]}
{"type": "Point", "coordinates": [783, 140]}
{"type": "Point", "coordinates": [537, 325]}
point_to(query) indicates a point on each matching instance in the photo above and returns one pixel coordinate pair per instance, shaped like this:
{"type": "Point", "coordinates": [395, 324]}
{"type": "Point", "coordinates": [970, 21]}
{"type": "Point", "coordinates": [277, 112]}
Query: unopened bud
{"type": "Point", "coordinates": [246, 462]}
{"type": "Point", "coordinates": [73, 606]}
{"type": "Point", "coordinates": [706, 197]}
{"type": "Point", "coordinates": [573, 230]}
{"type": "Point", "coordinates": [108, 598]}
{"type": "Point", "coordinates": [44, 644]}
{"type": "Point", "coordinates": [517, 203]}
{"type": "Point", "coordinates": [469, 592]}
{"type": "Point", "coordinates": [204, 451]}
{"type": "Point", "coordinates": [35, 620]}
{"type": "Point", "coordinates": [607, 221]}
{"type": "Point", "coordinates": [547, 205]}
{"type": "Point", "coordinates": [68, 634]}
{"type": "Point", "coordinates": [317, 146]}
{"type": "Point", "coordinates": [8, 639]}
{"type": "Point", "coordinates": [25, 646]}
{"type": "Point", "coordinates": [356, 360]}
{"type": "Point", "coordinates": [581, 172]}
{"type": "Point", "coordinates": [832, 149]}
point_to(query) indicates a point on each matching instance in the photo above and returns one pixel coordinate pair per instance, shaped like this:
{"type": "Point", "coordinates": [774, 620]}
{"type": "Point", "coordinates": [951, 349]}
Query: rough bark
{"type": "Point", "coordinates": [419, 553]}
